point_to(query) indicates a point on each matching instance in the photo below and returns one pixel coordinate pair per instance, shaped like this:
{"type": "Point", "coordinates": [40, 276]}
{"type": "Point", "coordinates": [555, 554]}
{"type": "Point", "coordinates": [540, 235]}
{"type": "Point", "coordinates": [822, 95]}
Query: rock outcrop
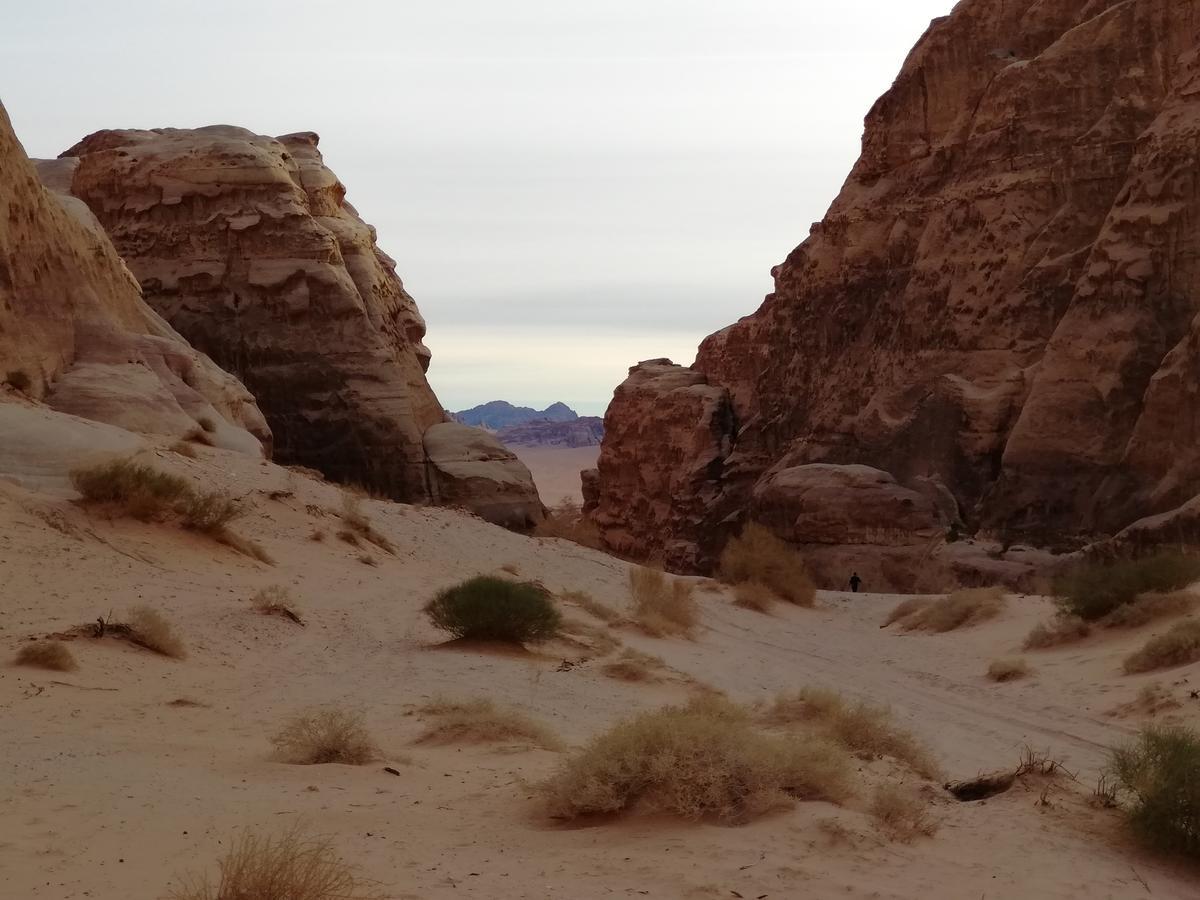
{"type": "Point", "coordinates": [1000, 309]}
{"type": "Point", "coordinates": [469, 468]}
{"type": "Point", "coordinates": [246, 244]}
{"type": "Point", "coordinates": [584, 431]}
{"type": "Point", "coordinates": [76, 334]}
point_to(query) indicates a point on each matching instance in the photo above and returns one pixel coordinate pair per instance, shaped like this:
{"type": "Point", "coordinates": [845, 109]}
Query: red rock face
{"type": "Point", "coordinates": [1002, 301]}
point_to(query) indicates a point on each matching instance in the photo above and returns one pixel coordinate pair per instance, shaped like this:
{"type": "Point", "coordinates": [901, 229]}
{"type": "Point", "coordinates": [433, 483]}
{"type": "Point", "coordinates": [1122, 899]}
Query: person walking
{"type": "Point", "coordinates": [855, 581]}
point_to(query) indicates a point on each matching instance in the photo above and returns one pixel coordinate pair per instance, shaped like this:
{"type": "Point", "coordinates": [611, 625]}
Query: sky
{"type": "Point", "coordinates": [568, 187]}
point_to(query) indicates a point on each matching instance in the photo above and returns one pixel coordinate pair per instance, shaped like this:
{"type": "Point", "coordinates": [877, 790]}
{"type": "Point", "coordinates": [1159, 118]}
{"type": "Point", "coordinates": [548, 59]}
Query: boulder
{"type": "Point", "coordinates": [468, 467]}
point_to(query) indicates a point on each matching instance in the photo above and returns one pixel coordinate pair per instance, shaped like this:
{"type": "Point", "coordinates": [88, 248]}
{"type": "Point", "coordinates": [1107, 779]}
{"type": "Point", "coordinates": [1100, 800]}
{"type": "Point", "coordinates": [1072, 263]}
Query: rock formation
{"type": "Point", "coordinates": [584, 431]}
{"type": "Point", "coordinates": [247, 245]}
{"type": "Point", "coordinates": [469, 468]}
{"type": "Point", "coordinates": [998, 312]}
{"type": "Point", "coordinates": [501, 414]}
{"type": "Point", "coordinates": [76, 334]}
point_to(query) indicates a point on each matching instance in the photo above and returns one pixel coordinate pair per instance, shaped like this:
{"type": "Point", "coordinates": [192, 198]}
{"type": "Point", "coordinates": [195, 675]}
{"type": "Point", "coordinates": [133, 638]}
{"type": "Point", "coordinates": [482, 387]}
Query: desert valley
{"type": "Point", "coordinates": [892, 592]}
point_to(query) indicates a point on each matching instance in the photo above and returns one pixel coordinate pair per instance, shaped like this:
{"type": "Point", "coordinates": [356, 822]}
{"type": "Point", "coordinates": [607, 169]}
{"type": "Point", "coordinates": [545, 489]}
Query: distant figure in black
{"type": "Point", "coordinates": [855, 581]}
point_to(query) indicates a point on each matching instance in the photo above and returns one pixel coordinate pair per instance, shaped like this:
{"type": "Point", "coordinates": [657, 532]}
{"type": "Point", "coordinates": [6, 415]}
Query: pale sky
{"type": "Point", "coordinates": [567, 187]}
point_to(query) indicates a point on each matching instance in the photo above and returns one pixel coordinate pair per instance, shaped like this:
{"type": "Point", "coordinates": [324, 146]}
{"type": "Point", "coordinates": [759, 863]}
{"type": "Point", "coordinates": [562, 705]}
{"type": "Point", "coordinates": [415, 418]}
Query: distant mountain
{"type": "Point", "coordinates": [502, 414]}
{"type": "Point", "coordinates": [584, 431]}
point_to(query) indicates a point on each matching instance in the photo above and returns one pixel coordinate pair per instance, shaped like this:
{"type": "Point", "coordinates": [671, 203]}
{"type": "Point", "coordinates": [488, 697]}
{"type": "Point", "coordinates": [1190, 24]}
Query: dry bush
{"type": "Point", "coordinates": [206, 424]}
{"type": "Point", "coordinates": [867, 731]}
{"type": "Point", "coordinates": [634, 665]}
{"type": "Point", "coordinates": [1007, 669]}
{"type": "Point", "coordinates": [901, 815]}
{"type": "Point", "coordinates": [148, 628]}
{"type": "Point", "coordinates": [209, 513]}
{"type": "Point", "coordinates": [969, 606]}
{"type": "Point", "coordinates": [276, 600]}
{"type": "Point", "coordinates": [183, 448]}
{"type": "Point", "coordinates": [54, 655]}
{"type": "Point", "coordinates": [754, 595]}
{"type": "Point", "coordinates": [1158, 773]}
{"type": "Point", "coordinates": [1178, 647]}
{"type": "Point", "coordinates": [662, 607]}
{"type": "Point", "coordinates": [482, 722]}
{"type": "Point", "coordinates": [198, 436]}
{"type": "Point", "coordinates": [357, 523]}
{"type": "Point", "coordinates": [567, 522]}
{"type": "Point", "coordinates": [289, 867]}
{"type": "Point", "coordinates": [131, 489]}
{"type": "Point", "coordinates": [1058, 631]}
{"type": "Point", "coordinates": [495, 609]}
{"type": "Point", "coordinates": [317, 536]}
{"type": "Point", "coordinates": [906, 609]}
{"type": "Point", "coordinates": [1095, 589]}
{"type": "Point", "coordinates": [591, 606]}
{"type": "Point", "coordinates": [368, 560]}
{"type": "Point", "coordinates": [349, 537]}
{"type": "Point", "coordinates": [757, 554]}
{"type": "Point", "coordinates": [330, 735]}
{"type": "Point", "coordinates": [700, 760]}
{"type": "Point", "coordinates": [244, 546]}
{"type": "Point", "coordinates": [19, 380]}
{"type": "Point", "coordinates": [510, 568]}
{"type": "Point", "coordinates": [592, 638]}
{"type": "Point", "coordinates": [1148, 608]}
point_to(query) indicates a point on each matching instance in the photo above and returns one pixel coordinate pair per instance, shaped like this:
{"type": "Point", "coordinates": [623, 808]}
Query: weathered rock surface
{"type": "Point", "coordinates": [1002, 300]}
{"type": "Point", "coordinates": [246, 244]}
{"type": "Point", "coordinates": [584, 431]}
{"type": "Point", "coordinates": [468, 467]}
{"type": "Point", "coordinates": [76, 334]}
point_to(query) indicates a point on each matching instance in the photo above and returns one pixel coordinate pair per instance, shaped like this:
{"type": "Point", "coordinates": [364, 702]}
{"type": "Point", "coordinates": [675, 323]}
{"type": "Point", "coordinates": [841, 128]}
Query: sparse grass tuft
{"type": "Point", "coordinates": [289, 867]}
{"type": "Point", "coordinates": [633, 665]}
{"type": "Point", "coordinates": [198, 436]}
{"type": "Point", "coordinates": [209, 513]}
{"type": "Point", "coordinates": [276, 600]}
{"type": "Point", "coordinates": [757, 554]}
{"type": "Point", "coordinates": [1093, 590]}
{"type": "Point", "coordinates": [1007, 670]}
{"type": "Point", "coordinates": [207, 424]}
{"type": "Point", "coordinates": [53, 655]}
{"type": "Point", "coordinates": [592, 606]}
{"type": "Point", "coordinates": [1147, 608]}
{"type": "Point", "coordinates": [969, 606]}
{"type": "Point", "coordinates": [906, 609]}
{"type": "Point", "coordinates": [754, 595]}
{"type": "Point", "coordinates": [482, 722]}
{"type": "Point", "coordinates": [593, 638]}
{"type": "Point", "coordinates": [901, 814]}
{"type": "Point", "coordinates": [662, 607]}
{"type": "Point", "coordinates": [510, 568]}
{"type": "Point", "coordinates": [357, 524]}
{"type": "Point", "coordinates": [495, 609]}
{"type": "Point", "coordinates": [867, 731]}
{"type": "Point", "coordinates": [567, 522]}
{"type": "Point", "coordinates": [700, 760]}
{"type": "Point", "coordinates": [1178, 647]}
{"type": "Point", "coordinates": [183, 448]}
{"type": "Point", "coordinates": [1159, 773]}
{"type": "Point", "coordinates": [1060, 630]}
{"type": "Point", "coordinates": [150, 629]}
{"type": "Point", "coordinates": [321, 736]}
{"type": "Point", "coordinates": [132, 489]}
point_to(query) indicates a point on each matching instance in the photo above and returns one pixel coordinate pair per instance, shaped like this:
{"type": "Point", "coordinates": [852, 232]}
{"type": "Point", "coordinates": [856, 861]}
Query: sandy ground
{"type": "Point", "coordinates": [110, 791]}
{"type": "Point", "coordinates": [556, 470]}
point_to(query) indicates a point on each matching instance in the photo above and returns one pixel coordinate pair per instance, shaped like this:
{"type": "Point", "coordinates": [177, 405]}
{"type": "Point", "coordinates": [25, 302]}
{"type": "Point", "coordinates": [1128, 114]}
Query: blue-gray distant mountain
{"type": "Point", "coordinates": [585, 431]}
{"type": "Point", "coordinates": [502, 414]}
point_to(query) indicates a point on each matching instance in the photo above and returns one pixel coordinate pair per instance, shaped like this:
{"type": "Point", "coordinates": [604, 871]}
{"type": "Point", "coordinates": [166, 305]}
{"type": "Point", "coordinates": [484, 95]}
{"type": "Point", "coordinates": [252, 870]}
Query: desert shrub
{"type": "Point", "coordinates": [1062, 629]}
{"type": "Point", "coordinates": [591, 606]}
{"type": "Point", "coordinates": [634, 665]}
{"type": "Point", "coordinates": [1178, 647]}
{"type": "Point", "coordinates": [321, 736]}
{"type": "Point", "coordinates": [150, 629]}
{"type": "Point", "coordinates": [198, 436]}
{"type": "Point", "coordinates": [1147, 608]}
{"type": "Point", "coordinates": [1007, 669]}
{"type": "Point", "coordinates": [1160, 774]}
{"type": "Point", "coordinates": [662, 606]}
{"type": "Point", "coordinates": [53, 655]}
{"type": "Point", "coordinates": [136, 490]}
{"type": "Point", "coordinates": [757, 554]}
{"type": "Point", "coordinates": [591, 637]}
{"type": "Point", "coordinates": [481, 721]}
{"type": "Point", "coordinates": [703, 759]}
{"type": "Point", "coordinates": [905, 609]}
{"type": "Point", "coordinates": [244, 546]}
{"type": "Point", "coordinates": [208, 512]}
{"type": "Point", "coordinates": [19, 380]}
{"type": "Point", "coordinates": [867, 731]}
{"type": "Point", "coordinates": [969, 606]}
{"type": "Point", "coordinates": [276, 600]}
{"type": "Point", "coordinates": [183, 448]}
{"type": "Point", "coordinates": [900, 814]}
{"type": "Point", "coordinates": [357, 524]}
{"type": "Point", "coordinates": [1095, 589]}
{"type": "Point", "coordinates": [754, 595]}
{"type": "Point", "coordinates": [495, 609]}
{"type": "Point", "coordinates": [289, 867]}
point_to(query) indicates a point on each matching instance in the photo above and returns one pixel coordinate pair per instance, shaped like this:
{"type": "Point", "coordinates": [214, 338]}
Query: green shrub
{"type": "Point", "coordinates": [495, 609]}
{"type": "Point", "coordinates": [758, 554]}
{"type": "Point", "coordinates": [1093, 590]}
{"type": "Point", "coordinates": [1160, 773]}
{"type": "Point", "coordinates": [1178, 647]}
{"type": "Point", "coordinates": [136, 490]}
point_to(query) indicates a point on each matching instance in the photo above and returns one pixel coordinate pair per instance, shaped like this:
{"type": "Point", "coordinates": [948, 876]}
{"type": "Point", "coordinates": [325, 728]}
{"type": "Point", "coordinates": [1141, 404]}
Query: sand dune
{"type": "Point", "coordinates": [112, 790]}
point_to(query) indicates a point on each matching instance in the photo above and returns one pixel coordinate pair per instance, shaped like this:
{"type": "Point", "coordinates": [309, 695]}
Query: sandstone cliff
{"type": "Point", "coordinates": [76, 334]}
{"type": "Point", "coordinates": [584, 431]}
{"type": "Point", "coordinates": [998, 312]}
{"type": "Point", "coordinates": [246, 244]}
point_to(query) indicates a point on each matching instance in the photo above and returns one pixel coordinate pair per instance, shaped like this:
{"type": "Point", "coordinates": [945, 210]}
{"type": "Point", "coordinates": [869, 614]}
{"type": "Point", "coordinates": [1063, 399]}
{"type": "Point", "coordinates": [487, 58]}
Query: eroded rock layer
{"type": "Point", "coordinates": [76, 334]}
{"type": "Point", "coordinates": [247, 245]}
{"type": "Point", "coordinates": [999, 310]}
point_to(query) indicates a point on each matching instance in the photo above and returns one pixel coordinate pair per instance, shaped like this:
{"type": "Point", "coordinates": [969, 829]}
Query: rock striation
{"type": "Point", "coordinates": [76, 334]}
{"type": "Point", "coordinates": [246, 244]}
{"type": "Point", "coordinates": [584, 431]}
{"type": "Point", "coordinates": [999, 311]}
